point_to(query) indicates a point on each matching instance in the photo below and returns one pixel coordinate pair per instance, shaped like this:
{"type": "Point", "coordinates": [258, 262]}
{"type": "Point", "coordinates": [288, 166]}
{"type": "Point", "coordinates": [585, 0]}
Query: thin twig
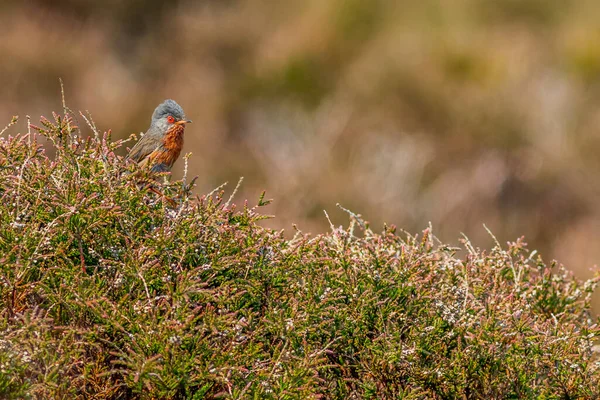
{"type": "Point", "coordinates": [234, 192]}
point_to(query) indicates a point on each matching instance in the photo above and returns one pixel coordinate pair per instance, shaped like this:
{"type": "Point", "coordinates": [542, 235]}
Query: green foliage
{"type": "Point", "coordinates": [115, 286]}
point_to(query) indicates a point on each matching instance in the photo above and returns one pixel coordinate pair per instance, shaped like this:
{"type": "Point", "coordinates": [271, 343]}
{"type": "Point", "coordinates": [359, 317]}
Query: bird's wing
{"type": "Point", "coordinates": [143, 148]}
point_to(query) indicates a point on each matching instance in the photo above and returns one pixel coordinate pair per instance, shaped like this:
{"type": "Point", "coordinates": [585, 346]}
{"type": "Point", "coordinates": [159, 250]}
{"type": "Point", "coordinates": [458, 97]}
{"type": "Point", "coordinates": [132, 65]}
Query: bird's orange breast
{"type": "Point", "coordinates": [171, 146]}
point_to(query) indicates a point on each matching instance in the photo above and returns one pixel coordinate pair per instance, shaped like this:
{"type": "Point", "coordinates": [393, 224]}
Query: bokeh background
{"type": "Point", "coordinates": [455, 112]}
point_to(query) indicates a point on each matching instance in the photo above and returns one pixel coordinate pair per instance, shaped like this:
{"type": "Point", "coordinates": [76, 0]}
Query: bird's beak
{"type": "Point", "coordinates": [183, 122]}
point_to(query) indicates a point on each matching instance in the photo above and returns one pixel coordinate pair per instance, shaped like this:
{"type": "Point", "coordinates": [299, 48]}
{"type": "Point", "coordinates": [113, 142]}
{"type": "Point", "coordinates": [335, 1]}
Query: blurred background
{"type": "Point", "coordinates": [458, 112]}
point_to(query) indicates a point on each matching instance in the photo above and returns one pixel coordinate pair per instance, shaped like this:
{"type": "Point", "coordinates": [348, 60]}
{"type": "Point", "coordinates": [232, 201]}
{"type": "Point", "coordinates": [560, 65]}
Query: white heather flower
{"type": "Point", "coordinates": [175, 340]}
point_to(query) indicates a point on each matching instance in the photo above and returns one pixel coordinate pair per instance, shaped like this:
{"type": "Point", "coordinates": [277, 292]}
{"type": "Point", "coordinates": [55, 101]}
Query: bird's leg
{"type": "Point", "coordinates": [158, 192]}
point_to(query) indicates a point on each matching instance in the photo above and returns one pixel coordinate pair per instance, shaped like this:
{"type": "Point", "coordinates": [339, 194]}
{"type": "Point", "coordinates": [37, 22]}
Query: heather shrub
{"type": "Point", "coordinates": [118, 285]}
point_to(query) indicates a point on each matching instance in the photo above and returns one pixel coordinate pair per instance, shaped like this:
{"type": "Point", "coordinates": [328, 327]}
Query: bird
{"type": "Point", "coordinates": [162, 143]}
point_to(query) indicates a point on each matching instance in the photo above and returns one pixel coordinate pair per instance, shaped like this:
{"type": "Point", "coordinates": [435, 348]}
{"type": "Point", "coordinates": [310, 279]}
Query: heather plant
{"type": "Point", "coordinates": [118, 284]}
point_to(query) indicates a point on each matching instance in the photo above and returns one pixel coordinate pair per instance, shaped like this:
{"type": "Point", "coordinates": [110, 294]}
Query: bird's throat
{"type": "Point", "coordinates": [174, 138]}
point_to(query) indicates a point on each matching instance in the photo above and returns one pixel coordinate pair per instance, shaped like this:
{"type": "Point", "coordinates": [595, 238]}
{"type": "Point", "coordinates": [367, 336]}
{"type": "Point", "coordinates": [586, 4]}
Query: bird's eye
{"type": "Point", "coordinates": [170, 119]}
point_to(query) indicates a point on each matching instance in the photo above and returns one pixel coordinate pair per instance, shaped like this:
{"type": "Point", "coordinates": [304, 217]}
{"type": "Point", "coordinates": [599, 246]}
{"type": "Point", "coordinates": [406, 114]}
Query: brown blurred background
{"type": "Point", "coordinates": [458, 112]}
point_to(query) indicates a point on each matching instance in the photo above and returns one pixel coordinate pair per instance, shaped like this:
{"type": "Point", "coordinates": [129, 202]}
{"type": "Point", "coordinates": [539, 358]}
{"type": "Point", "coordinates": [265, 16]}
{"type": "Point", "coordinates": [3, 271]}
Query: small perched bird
{"type": "Point", "coordinates": [162, 143]}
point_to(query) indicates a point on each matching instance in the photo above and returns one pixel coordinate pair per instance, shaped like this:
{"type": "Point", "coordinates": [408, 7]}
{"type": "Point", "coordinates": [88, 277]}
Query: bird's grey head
{"type": "Point", "coordinates": [166, 108]}
{"type": "Point", "coordinates": [167, 115]}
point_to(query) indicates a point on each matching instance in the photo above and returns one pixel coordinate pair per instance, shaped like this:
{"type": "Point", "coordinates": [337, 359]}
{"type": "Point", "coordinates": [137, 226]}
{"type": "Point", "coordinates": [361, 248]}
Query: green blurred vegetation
{"type": "Point", "coordinates": [115, 286]}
